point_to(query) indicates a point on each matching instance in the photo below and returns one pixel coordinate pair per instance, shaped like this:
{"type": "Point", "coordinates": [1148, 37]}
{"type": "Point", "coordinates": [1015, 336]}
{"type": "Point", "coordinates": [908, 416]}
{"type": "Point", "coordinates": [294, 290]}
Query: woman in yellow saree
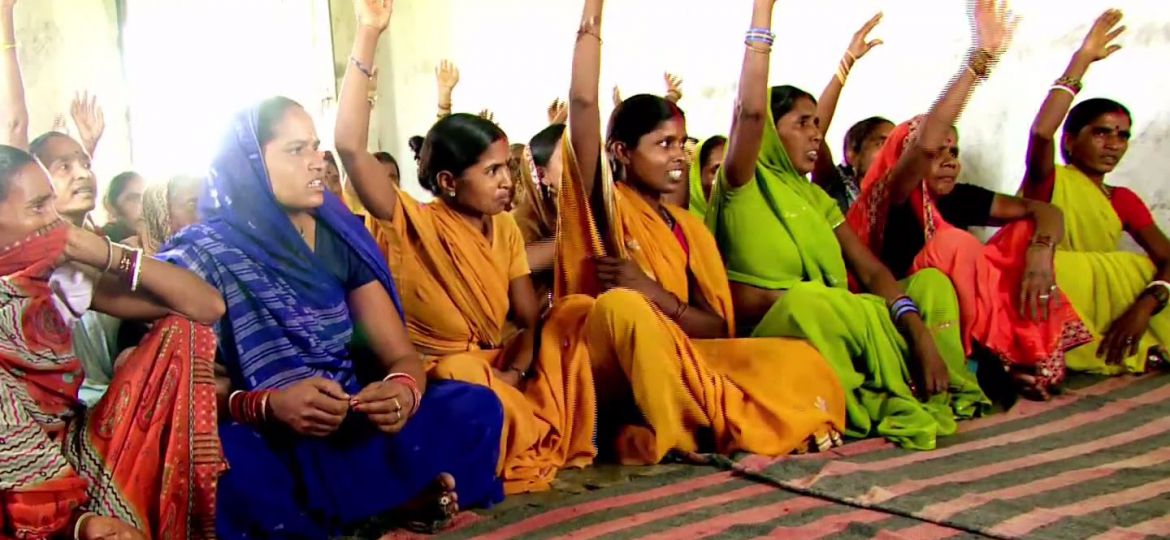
{"type": "Point", "coordinates": [788, 252]}
{"type": "Point", "coordinates": [462, 273]}
{"type": "Point", "coordinates": [1120, 295]}
{"type": "Point", "coordinates": [669, 377]}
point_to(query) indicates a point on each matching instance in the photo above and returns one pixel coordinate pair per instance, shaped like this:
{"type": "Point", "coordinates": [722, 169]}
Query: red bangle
{"type": "Point", "coordinates": [411, 383]}
{"type": "Point", "coordinates": [249, 407]}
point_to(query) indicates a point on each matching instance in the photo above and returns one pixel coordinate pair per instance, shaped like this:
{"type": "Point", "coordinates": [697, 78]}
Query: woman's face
{"type": "Point", "coordinates": [945, 167]}
{"type": "Point", "coordinates": [711, 168]}
{"type": "Point", "coordinates": [485, 187]}
{"type": "Point", "coordinates": [73, 179]}
{"type": "Point", "coordinates": [1099, 147]}
{"type": "Point", "coordinates": [128, 205]}
{"type": "Point", "coordinates": [552, 174]}
{"type": "Point", "coordinates": [333, 179]}
{"type": "Point", "coordinates": [392, 173]}
{"type": "Point", "coordinates": [659, 162]}
{"type": "Point", "coordinates": [800, 131]}
{"type": "Point", "coordinates": [296, 165]}
{"type": "Point", "coordinates": [870, 148]}
{"type": "Point", "coordinates": [29, 206]}
{"type": "Point", "coordinates": [183, 204]}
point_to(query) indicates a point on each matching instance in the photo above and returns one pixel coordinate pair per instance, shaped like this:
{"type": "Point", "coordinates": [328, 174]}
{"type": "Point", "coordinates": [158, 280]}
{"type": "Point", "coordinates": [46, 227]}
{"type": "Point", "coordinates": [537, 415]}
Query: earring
{"type": "Point", "coordinates": [451, 194]}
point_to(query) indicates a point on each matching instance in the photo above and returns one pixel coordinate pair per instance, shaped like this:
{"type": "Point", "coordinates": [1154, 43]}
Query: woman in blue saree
{"type": "Point", "coordinates": [328, 420]}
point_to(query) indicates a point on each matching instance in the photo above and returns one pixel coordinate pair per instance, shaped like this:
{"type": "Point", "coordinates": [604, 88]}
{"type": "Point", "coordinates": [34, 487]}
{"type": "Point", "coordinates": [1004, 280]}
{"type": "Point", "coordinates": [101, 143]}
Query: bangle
{"type": "Point", "coordinates": [1071, 83]}
{"type": "Point", "coordinates": [137, 273]}
{"type": "Point", "coordinates": [411, 383]}
{"type": "Point", "coordinates": [759, 48]}
{"type": "Point", "coordinates": [250, 408]}
{"type": "Point", "coordinates": [362, 68]}
{"type": "Point", "coordinates": [1043, 240]}
{"type": "Point", "coordinates": [902, 306]}
{"type": "Point", "coordinates": [842, 72]}
{"type": "Point", "coordinates": [125, 262]}
{"type": "Point", "coordinates": [589, 28]}
{"type": "Point", "coordinates": [9, 46]}
{"type": "Point", "coordinates": [1063, 88]}
{"type": "Point", "coordinates": [979, 64]}
{"type": "Point", "coordinates": [109, 255]}
{"type": "Point", "coordinates": [1162, 298]}
{"type": "Point", "coordinates": [80, 521]}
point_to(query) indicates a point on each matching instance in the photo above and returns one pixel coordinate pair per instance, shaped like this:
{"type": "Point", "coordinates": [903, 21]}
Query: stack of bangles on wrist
{"type": "Point", "coordinates": [1067, 84]}
{"type": "Point", "coordinates": [760, 40]}
{"type": "Point", "coordinates": [902, 306]}
{"type": "Point", "coordinates": [980, 63]}
{"type": "Point", "coordinates": [128, 266]}
{"type": "Point", "coordinates": [845, 67]}
{"type": "Point", "coordinates": [409, 382]}
{"type": "Point", "coordinates": [1160, 291]}
{"type": "Point", "coordinates": [249, 408]}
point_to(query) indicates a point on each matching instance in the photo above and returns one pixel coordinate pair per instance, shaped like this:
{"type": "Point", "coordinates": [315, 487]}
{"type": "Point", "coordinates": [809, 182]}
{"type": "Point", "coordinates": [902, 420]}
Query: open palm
{"type": "Point", "coordinates": [1099, 43]}
{"type": "Point", "coordinates": [374, 13]}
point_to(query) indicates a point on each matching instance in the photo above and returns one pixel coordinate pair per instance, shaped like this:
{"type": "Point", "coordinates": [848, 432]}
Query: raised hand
{"type": "Point", "coordinates": [1098, 43]}
{"type": "Point", "coordinates": [617, 96]}
{"type": "Point", "coordinates": [60, 125]}
{"type": "Point", "coordinates": [558, 112]}
{"type": "Point", "coordinates": [90, 120]}
{"type": "Point", "coordinates": [488, 115]}
{"type": "Point", "coordinates": [673, 87]}
{"type": "Point", "coordinates": [374, 13]}
{"type": "Point", "coordinates": [860, 45]}
{"type": "Point", "coordinates": [447, 75]}
{"type": "Point", "coordinates": [995, 24]}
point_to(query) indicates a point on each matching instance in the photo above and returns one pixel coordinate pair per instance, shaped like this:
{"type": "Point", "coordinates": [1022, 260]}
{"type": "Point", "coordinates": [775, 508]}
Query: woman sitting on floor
{"type": "Point", "coordinates": [327, 417]}
{"type": "Point", "coordinates": [144, 460]}
{"type": "Point", "coordinates": [708, 159]}
{"type": "Point", "coordinates": [914, 216]}
{"type": "Point", "coordinates": [787, 252]}
{"type": "Point", "coordinates": [668, 376]}
{"type": "Point", "coordinates": [463, 274]}
{"type": "Point", "coordinates": [1120, 295]}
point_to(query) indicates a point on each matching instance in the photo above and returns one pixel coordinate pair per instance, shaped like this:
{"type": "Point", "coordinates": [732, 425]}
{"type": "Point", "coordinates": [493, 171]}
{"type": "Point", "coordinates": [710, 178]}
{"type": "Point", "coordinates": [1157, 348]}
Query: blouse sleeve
{"type": "Point", "coordinates": [1134, 213]}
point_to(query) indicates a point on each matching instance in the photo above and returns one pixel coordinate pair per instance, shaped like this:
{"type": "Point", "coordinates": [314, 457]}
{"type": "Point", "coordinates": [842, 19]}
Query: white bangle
{"type": "Point", "coordinates": [137, 270]}
{"type": "Point", "coordinates": [81, 520]}
{"type": "Point", "coordinates": [1062, 88]}
{"type": "Point", "coordinates": [1159, 283]}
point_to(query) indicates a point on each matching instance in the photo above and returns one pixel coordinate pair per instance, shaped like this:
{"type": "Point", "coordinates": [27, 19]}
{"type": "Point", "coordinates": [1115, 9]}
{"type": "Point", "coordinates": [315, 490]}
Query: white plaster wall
{"type": "Point", "coordinates": [68, 46]}
{"type": "Point", "coordinates": [515, 54]}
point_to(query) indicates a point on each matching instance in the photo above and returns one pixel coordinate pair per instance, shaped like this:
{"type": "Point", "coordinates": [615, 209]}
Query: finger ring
{"type": "Point", "coordinates": [1052, 288]}
{"type": "Point", "coordinates": [397, 406]}
{"type": "Point", "coordinates": [1045, 297]}
{"type": "Point", "coordinates": [398, 416]}
{"type": "Point", "coordinates": [1128, 340]}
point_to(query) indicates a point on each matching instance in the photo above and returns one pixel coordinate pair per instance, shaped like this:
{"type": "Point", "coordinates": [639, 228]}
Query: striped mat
{"type": "Point", "coordinates": [1094, 463]}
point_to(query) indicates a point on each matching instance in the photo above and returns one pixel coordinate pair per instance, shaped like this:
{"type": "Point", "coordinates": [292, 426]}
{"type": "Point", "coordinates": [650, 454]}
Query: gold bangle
{"type": "Point", "coordinates": [979, 64]}
{"type": "Point", "coordinates": [759, 48]}
{"type": "Point", "coordinates": [9, 46]}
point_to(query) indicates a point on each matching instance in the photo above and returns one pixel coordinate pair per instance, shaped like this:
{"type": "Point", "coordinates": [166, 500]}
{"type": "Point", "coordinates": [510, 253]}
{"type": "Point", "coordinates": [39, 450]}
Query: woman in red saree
{"type": "Point", "coordinates": [914, 215]}
{"type": "Point", "coordinates": [143, 462]}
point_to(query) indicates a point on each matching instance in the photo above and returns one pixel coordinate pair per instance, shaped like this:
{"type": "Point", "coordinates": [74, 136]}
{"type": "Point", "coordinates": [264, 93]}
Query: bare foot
{"type": "Point", "coordinates": [434, 509]}
{"type": "Point", "coordinates": [108, 528]}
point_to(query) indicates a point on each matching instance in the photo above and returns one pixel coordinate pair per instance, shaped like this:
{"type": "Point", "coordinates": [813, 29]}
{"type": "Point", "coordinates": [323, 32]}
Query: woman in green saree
{"type": "Point", "coordinates": [707, 161]}
{"type": "Point", "coordinates": [787, 255]}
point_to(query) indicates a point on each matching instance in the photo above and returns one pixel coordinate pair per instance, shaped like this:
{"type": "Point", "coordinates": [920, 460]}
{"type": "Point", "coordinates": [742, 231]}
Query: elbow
{"type": "Point", "coordinates": [16, 126]}
{"type": "Point", "coordinates": [1039, 133]}
{"type": "Point", "coordinates": [210, 311]}
{"type": "Point", "coordinates": [748, 114]}
{"type": "Point", "coordinates": [582, 102]}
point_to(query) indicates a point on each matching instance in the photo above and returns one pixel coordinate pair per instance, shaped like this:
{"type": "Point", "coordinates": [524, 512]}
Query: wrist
{"type": "Point", "coordinates": [1146, 304]}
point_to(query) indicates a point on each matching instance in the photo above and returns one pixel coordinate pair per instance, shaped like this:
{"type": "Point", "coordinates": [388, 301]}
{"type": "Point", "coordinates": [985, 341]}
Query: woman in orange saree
{"type": "Point", "coordinates": [914, 216]}
{"type": "Point", "coordinates": [669, 375]}
{"type": "Point", "coordinates": [144, 461]}
{"type": "Point", "coordinates": [462, 274]}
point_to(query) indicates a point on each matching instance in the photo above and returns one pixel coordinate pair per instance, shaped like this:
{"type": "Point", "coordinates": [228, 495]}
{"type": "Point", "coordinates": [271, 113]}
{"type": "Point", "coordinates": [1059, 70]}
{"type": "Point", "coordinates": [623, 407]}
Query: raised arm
{"type": "Point", "coordinates": [674, 92]}
{"type": "Point", "coordinates": [13, 111]}
{"type": "Point", "coordinates": [446, 78]}
{"type": "Point", "coordinates": [584, 103]}
{"type": "Point", "coordinates": [994, 26]}
{"type": "Point", "coordinates": [352, 132]}
{"type": "Point", "coordinates": [825, 173]}
{"type": "Point", "coordinates": [158, 290]}
{"type": "Point", "coordinates": [1098, 45]}
{"type": "Point", "coordinates": [751, 106]}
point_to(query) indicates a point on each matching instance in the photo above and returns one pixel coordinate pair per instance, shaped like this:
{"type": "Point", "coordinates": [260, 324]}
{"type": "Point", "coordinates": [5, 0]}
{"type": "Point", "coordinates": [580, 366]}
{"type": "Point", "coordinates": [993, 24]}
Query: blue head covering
{"type": "Point", "coordinates": [287, 317]}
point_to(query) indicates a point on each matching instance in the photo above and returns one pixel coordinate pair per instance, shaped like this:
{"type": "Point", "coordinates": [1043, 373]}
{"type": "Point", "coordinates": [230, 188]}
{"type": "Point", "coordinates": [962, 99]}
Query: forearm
{"type": "Point", "coordinates": [14, 112]}
{"type": "Point", "coordinates": [1057, 104]}
{"type": "Point", "coordinates": [945, 112]}
{"type": "Point", "coordinates": [584, 106]}
{"type": "Point", "coordinates": [445, 104]}
{"type": "Point", "coordinates": [541, 254]}
{"type": "Point", "coordinates": [352, 132]}
{"type": "Point", "coordinates": [827, 104]}
{"type": "Point", "coordinates": [751, 107]}
{"type": "Point", "coordinates": [1049, 221]}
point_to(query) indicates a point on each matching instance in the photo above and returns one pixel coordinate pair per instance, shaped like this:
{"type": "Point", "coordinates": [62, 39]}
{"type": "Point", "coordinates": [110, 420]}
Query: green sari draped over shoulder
{"type": "Point", "coordinates": [777, 233]}
{"type": "Point", "coordinates": [698, 200]}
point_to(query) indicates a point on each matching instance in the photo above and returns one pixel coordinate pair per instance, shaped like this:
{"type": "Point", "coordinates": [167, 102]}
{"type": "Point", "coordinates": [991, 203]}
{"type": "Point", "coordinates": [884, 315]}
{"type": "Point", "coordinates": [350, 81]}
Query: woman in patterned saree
{"type": "Point", "coordinates": [143, 462]}
{"type": "Point", "coordinates": [331, 420]}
